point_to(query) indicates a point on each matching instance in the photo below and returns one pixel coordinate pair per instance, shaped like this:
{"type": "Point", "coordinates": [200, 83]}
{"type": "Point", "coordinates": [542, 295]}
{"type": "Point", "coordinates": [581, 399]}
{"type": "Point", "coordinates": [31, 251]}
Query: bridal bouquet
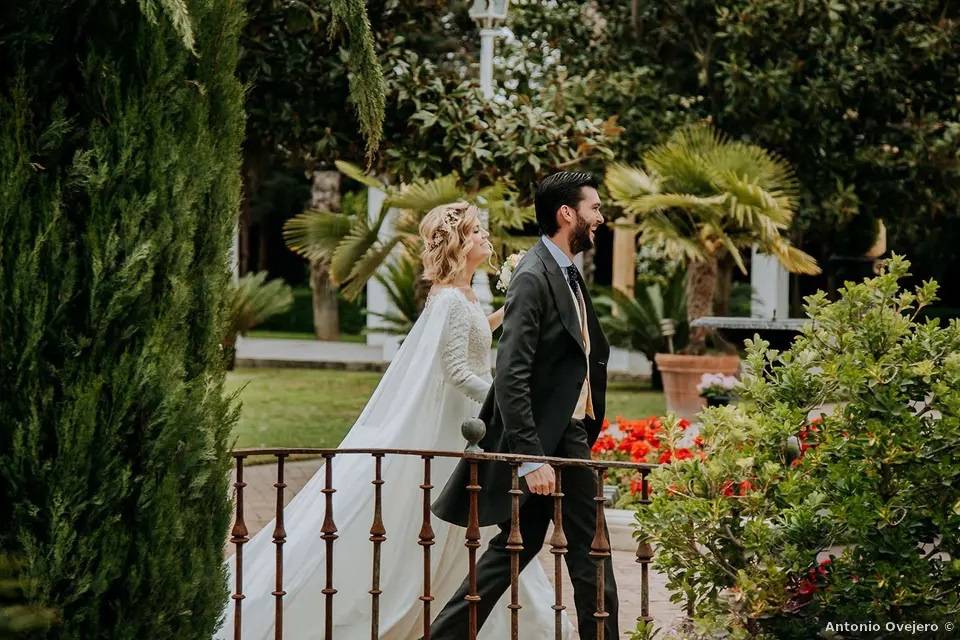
{"type": "Point", "coordinates": [506, 271]}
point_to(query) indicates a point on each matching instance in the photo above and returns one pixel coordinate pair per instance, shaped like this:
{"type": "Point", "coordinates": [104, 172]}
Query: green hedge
{"type": "Point", "coordinates": [299, 318]}
{"type": "Point", "coordinates": [120, 133]}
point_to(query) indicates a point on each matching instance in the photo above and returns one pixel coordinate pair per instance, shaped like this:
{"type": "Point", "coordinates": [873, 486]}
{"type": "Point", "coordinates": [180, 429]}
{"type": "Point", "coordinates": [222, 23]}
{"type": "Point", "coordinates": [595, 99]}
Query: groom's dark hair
{"type": "Point", "coordinates": [556, 190]}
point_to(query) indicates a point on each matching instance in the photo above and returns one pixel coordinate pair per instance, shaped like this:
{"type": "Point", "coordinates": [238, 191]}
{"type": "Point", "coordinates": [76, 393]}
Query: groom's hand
{"type": "Point", "coordinates": [542, 481]}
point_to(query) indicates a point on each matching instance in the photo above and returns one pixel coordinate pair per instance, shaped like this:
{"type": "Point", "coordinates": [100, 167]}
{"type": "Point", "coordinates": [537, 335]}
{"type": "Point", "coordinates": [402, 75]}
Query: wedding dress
{"type": "Point", "coordinates": [438, 378]}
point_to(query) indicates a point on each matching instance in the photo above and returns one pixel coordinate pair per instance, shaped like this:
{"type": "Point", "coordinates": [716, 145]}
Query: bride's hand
{"type": "Point", "coordinates": [495, 319]}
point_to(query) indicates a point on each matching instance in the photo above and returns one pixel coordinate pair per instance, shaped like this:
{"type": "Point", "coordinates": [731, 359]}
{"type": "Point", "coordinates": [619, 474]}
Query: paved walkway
{"type": "Point", "coordinates": [260, 502]}
{"type": "Point", "coordinates": [272, 352]}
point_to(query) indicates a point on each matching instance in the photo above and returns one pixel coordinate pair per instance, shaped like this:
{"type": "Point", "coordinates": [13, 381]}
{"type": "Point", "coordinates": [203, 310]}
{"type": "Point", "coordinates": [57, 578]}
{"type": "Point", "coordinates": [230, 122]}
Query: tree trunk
{"type": "Point", "coordinates": [264, 246]}
{"type": "Point", "coordinates": [324, 196]}
{"type": "Point", "coordinates": [625, 258]}
{"type": "Point", "coordinates": [254, 166]}
{"type": "Point", "coordinates": [701, 288]}
{"type": "Point", "coordinates": [421, 287]}
{"type": "Point", "coordinates": [250, 182]}
{"type": "Point", "coordinates": [721, 297]}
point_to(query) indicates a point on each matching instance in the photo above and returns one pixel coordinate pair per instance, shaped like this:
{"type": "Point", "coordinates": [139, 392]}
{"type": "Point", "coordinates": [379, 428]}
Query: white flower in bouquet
{"type": "Point", "coordinates": [506, 271]}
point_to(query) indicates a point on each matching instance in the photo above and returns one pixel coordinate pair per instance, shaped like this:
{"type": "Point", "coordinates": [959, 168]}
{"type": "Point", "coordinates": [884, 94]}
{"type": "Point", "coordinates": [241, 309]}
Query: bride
{"type": "Point", "coordinates": [437, 379]}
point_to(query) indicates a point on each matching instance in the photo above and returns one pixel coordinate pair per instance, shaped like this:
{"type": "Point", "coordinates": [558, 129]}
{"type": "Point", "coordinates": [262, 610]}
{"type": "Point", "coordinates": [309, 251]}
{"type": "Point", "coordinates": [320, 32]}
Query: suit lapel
{"type": "Point", "coordinates": [561, 293]}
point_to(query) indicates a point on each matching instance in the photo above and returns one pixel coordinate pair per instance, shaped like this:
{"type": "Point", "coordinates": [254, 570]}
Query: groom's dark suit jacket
{"type": "Point", "coordinates": [540, 371]}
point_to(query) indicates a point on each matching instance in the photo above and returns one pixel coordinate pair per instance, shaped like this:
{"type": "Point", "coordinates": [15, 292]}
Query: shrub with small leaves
{"type": "Point", "coordinates": [789, 522]}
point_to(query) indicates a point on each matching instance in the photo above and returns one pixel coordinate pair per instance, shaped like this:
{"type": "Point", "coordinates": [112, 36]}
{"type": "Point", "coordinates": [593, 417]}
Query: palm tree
{"type": "Point", "coordinates": [357, 247]}
{"type": "Point", "coordinates": [705, 198]}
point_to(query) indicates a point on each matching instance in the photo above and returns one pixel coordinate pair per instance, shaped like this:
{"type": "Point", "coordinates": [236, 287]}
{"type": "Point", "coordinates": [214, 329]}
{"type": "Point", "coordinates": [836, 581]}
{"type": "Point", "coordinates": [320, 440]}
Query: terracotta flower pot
{"type": "Point", "coordinates": [681, 374]}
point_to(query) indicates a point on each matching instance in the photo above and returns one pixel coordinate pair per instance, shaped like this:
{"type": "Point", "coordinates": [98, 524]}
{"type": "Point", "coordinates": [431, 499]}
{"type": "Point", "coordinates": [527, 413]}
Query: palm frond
{"type": "Point", "coordinates": [423, 196]}
{"type": "Point", "coordinates": [492, 196]}
{"type": "Point", "coordinates": [659, 229]}
{"type": "Point", "coordinates": [253, 300]}
{"type": "Point", "coordinates": [360, 239]}
{"type": "Point", "coordinates": [661, 201]}
{"type": "Point", "coordinates": [316, 234]}
{"type": "Point", "coordinates": [793, 259]}
{"type": "Point", "coordinates": [508, 216]}
{"type": "Point", "coordinates": [366, 266]}
{"type": "Point", "coordinates": [762, 166]}
{"type": "Point", "coordinates": [680, 161]}
{"type": "Point", "coordinates": [399, 279]}
{"type": "Point", "coordinates": [627, 183]}
{"type": "Point", "coordinates": [353, 171]}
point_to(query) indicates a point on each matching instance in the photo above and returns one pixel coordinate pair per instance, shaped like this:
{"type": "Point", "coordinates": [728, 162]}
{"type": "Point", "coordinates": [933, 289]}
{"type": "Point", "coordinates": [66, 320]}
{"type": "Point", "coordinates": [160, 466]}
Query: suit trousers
{"type": "Point", "coordinates": [579, 487]}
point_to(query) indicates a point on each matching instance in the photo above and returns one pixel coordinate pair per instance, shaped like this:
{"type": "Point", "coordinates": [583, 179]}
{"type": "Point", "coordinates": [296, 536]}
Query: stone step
{"type": "Point", "coordinates": [620, 529]}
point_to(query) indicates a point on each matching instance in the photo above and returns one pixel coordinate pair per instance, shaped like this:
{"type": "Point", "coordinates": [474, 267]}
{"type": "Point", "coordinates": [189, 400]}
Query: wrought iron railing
{"type": "Point", "coordinates": [600, 548]}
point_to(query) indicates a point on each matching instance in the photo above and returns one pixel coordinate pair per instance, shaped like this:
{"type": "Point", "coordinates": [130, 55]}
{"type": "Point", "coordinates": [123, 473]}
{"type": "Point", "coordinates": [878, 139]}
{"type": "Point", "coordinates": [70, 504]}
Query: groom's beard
{"type": "Point", "coordinates": [580, 239]}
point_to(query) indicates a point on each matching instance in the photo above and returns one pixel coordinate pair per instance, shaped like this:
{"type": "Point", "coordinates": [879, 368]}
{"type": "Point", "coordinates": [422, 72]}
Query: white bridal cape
{"type": "Point", "coordinates": [437, 379]}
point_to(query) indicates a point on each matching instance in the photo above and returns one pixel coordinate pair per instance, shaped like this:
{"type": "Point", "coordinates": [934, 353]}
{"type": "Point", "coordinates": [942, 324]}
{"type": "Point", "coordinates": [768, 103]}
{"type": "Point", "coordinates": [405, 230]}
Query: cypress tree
{"type": "Point", "coordinates": [120, 133]}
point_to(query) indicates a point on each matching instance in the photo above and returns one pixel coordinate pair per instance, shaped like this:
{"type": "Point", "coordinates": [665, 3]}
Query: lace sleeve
{"type": "Point", "coordinates": [453, 353]}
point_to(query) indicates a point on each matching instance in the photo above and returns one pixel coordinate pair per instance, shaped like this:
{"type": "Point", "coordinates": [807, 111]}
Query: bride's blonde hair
{"type": "Point", "coordinates": [446, 232]}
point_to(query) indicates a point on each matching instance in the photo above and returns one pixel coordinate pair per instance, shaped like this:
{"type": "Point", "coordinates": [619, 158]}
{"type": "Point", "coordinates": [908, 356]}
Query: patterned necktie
{"type": "Point", "coordinates": [572, 279]}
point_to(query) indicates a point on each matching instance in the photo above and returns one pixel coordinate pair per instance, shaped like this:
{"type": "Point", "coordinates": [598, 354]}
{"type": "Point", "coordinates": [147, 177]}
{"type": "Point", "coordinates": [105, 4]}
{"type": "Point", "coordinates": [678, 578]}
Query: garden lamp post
{"type": "Point", "coordinates": [489, 16]}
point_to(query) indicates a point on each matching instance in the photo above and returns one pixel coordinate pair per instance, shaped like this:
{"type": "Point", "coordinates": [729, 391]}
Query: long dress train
{"type": "Point", "coordinates": [437, 379]}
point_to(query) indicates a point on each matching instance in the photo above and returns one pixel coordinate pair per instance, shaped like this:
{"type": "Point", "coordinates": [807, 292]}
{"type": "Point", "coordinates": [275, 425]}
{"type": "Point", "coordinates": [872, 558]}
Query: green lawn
{"type": "Point", "coordinates": [315, 407]}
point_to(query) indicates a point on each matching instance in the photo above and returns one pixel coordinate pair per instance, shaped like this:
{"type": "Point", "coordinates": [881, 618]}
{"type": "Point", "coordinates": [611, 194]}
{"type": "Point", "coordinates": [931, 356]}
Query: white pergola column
{"type": "Point", "coordinates": [770, 282]}
{"type": "Point", "coordinates": [377, 299]}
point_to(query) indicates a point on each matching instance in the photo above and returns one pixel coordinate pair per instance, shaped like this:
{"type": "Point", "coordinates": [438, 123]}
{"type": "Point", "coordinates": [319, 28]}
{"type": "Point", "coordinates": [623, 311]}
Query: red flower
{"type": "Point", "coordinates": [683, 424]}
{"type": "Point", "coordinates": [636, 486]}
{"type": "Point", "coordinates": [806, 587]}
{"type": "Point", "coordinates": [604, 425]}
{"type": "Point", "coordinates": [639, 451]}
{"type": "Point", "coordinates": [698, 441]}
{"type": "Point", "coordinates": [727, 488]}
{"type": "Point", "coordinates": [824, 567]}
{"type": "Point", "coordinates": [745, 486]}
{"type": "Point", "coordinates": [666, 457]}
{"type": "Point", "coordinates": [682, 454]}
{"type": "Point", "coordinates": [604, 444]}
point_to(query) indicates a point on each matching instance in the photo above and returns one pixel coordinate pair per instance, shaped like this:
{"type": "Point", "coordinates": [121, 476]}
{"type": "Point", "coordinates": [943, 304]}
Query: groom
{"type": "Point", "coordinates": [547, 399]}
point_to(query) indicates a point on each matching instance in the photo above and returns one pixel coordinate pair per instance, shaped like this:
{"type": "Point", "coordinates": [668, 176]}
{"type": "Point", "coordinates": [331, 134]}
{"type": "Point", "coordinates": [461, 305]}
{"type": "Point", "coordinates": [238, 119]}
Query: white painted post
{"type": "Point", "coordinates": [377, 299]}
{"type": "Point", "coordinates": [486, 60]}
{"type": "Point", "coordinates": [770, 282]}
{"type": "Point", "coordinates": [481, 282]}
